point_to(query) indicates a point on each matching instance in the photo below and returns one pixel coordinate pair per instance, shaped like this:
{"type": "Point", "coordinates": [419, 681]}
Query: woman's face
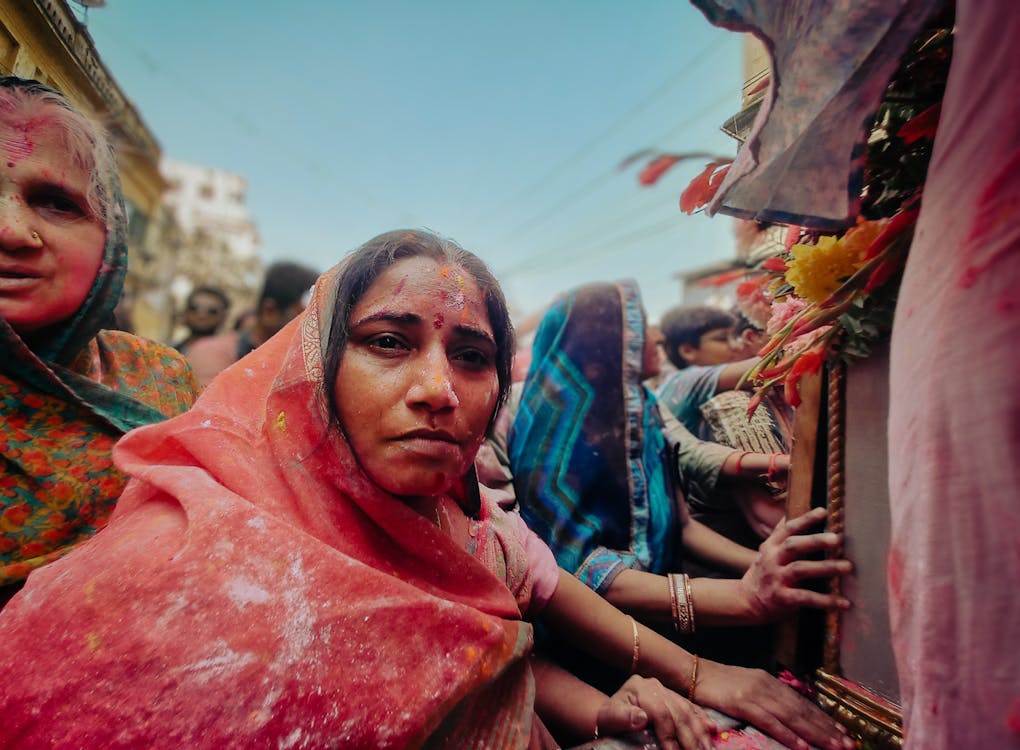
{"type": "Point", "coordinates": [652, 364]}
{"type": "Point", "coordinates": [50, 244]}
{"type": "Point", "coordinates": [417, 383]}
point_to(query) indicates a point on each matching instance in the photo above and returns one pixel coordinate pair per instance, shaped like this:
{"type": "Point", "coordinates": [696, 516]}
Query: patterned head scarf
{"type": "Point", "coordinates": [586, 445]}
{"type": "Point", "coordinates": [68, 396]}
{"type": "Point", "coordinates": [255, 588]}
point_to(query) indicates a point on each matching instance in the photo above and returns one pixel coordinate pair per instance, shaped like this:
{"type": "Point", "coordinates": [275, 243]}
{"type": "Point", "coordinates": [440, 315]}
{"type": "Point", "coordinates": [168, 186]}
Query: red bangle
{"type": "Point", "coordinates": [772, 465]}
{"type": "Point", "coordinates": [740, 458]}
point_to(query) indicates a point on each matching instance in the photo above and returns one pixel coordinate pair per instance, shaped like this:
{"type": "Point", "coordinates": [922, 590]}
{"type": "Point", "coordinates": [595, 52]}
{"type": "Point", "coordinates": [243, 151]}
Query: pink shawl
{"type": "Point", "coordinates": [255, 588]}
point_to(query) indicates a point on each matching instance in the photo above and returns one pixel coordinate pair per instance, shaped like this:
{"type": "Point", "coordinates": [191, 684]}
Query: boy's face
{"type": "Point", "coordinates": [713, 349]}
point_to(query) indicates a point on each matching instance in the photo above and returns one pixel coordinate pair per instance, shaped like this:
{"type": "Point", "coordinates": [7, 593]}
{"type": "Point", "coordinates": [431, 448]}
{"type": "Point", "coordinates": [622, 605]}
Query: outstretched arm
{"type": "Point", "coordinates": [578, 712]}
{"type": "Point", "coordinates": [588, 620]}
{"type": "Point", "coordinates": [711, 546]}
{"type": "Point", "coordinates": [732, 374]}
{"type": "Point", "coordinates": [768, 590]}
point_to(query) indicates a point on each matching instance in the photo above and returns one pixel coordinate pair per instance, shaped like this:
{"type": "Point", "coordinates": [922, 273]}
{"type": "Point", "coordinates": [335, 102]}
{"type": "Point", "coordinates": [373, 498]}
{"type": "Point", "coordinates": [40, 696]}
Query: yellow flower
{"type": "Point", "coordinates": [816, 271]}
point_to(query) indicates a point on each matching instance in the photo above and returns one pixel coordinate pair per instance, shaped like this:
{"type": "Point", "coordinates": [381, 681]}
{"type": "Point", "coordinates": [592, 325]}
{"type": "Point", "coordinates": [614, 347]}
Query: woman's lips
{"type": "Point", "coordinates": [11, 281]}
{"type": "Point", "coordinates": [430, 443]}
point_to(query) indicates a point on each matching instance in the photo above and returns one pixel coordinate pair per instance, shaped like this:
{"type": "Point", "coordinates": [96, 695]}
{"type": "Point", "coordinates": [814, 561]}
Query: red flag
{"type": "Point", "coordinates": [656, 168]}
{"type": "Point", "coordinates": [703, 187]}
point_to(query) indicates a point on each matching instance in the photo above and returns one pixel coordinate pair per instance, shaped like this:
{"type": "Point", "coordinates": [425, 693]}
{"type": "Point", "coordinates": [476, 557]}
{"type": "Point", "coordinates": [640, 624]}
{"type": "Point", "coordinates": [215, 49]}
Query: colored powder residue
{"type": "Point", "coordinates": [281, 422]}
{"type": "Point", "coordinates": [438, 322]}
{"type": "Point", "coordinates": [1013, 717]}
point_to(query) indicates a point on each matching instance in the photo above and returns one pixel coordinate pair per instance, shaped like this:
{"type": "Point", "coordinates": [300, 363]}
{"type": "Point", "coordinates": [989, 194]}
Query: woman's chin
{"type": "Point", "coordinates": [418, 484]}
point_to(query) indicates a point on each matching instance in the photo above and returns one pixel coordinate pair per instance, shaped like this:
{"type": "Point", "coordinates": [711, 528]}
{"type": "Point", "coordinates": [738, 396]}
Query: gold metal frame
{"type": "Point", "coordinates": [870, 718]}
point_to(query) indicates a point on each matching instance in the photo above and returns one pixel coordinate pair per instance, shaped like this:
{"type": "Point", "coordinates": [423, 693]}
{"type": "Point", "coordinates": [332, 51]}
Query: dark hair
{"type": "Point", "coordinates": [361, 268]}
{"type": "Point", "coordinates": [686, 324]}
{"type": "Point", "coordinates": [743, 323]}
{"type": "Point", "coordinates": [213, 291]}
{"type": "Point", "coordinates": [286, 283]}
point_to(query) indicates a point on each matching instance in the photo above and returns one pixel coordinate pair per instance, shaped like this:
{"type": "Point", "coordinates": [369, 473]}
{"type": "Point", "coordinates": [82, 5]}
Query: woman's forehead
{"type": "Point", "coordinates": [425, 282]}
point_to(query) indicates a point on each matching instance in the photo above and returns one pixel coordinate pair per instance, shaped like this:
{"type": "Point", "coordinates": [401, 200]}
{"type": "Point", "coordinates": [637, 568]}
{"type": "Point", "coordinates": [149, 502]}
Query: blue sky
{"type": "Point", "coordinates": [498, 124]}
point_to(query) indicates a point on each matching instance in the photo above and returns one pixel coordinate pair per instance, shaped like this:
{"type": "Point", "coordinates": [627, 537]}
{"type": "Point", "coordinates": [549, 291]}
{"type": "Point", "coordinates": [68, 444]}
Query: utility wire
{"type": "Point", "coordinates": [702, 57]}
{"type": "Point", "coordinates": [587, 189]}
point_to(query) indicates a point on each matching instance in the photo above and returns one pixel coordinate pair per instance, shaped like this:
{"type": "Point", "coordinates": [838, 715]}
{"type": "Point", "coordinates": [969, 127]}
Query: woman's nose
{"type": "Point", "coordinates": [15, 230]}
{"type": "Point", "coordinates": [433, 385]}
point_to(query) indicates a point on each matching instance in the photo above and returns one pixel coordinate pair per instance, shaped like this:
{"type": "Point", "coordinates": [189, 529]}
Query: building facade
{"type": "Point", "coordinates": [217, 242]}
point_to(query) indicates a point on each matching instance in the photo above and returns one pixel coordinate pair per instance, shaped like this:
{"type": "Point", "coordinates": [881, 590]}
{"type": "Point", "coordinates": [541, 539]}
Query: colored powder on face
{"type": "Point", "coordinates": [438, 322]}
{"type": "Point", "coordinates": [17, 145]}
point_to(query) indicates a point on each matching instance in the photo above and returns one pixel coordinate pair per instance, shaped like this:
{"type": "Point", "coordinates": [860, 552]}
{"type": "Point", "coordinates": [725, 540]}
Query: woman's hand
{"type": "Point", "coordinates": [760, 699]}
{"type": "Point", "coordinates": [676, 722]}
{"type": "Point", "coordinates": [771, 583]}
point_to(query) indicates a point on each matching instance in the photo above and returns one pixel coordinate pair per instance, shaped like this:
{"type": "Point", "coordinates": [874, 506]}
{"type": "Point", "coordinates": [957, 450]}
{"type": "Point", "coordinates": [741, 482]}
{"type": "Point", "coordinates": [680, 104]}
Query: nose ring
{"type": "Point", "coordinates": [36, 237]}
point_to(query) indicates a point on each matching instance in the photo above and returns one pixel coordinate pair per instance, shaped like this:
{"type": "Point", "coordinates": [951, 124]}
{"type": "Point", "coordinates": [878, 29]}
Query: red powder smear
{"type": "Point", "coordinates": [1006, 304]}
{"type": "Point", "coordinates": [17, 147]}
{"type": "Point", "coordinates": [1013, 717]}
{"type": "Point", "coordinates": [787, 678]}
{"type": "Point", "coordinates": [998, 205]}
{"type": "Point", "coordinates": [895, 573]}
{"type": "Point", "coordinates": [438, 322]}
{"type": "Point", "coordinates": [400, 286]}
{"type": "Point", "coordinates": [734, 738]}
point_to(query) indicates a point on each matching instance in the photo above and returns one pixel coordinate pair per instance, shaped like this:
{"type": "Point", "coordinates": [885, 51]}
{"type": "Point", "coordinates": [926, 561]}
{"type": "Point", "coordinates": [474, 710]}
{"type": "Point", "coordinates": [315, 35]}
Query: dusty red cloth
{"type": "Point", "coordinates": [254, 588]}
{"type": "Point", "coordinates": [954, 420]}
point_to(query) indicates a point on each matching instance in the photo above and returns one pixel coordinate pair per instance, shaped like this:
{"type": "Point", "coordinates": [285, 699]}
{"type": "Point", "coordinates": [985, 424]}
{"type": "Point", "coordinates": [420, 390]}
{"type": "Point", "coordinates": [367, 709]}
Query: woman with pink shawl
{"type": "Point", "coordinates": [304, 559]}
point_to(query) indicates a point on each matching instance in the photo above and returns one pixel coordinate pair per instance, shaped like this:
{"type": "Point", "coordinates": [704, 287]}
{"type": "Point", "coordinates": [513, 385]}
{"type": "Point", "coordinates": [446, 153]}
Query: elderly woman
{"type": "Point", "coordinates": [68, 389]}
{"type": "Point", "coordinates": [596, 480]}
{"type": "Point", "coordinates": [305, 559]}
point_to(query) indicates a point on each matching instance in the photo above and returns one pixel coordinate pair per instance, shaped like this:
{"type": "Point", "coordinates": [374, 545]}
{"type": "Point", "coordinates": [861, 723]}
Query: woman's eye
{"type": "Point", "coordinates": [387, 341]}
{"type": "Point", "coordinates": [474, 357]}
{"type": "Point", "coordinates": [59, 204]}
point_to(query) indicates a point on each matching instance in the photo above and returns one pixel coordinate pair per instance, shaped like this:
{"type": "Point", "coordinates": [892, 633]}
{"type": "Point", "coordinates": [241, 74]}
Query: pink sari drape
{"type": "Point", "coordinates": [954, 422]}
{"type": "Point", "coordinates": [255, 589]}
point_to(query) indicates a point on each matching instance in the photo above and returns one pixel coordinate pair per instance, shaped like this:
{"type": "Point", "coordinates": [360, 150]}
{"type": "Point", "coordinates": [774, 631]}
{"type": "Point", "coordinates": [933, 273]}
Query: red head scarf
{"type": "Point", "coordinates": [255, 588]}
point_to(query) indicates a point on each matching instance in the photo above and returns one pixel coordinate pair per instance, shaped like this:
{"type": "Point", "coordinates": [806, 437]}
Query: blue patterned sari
{"type": "Point", "coordinates": [586, 447]}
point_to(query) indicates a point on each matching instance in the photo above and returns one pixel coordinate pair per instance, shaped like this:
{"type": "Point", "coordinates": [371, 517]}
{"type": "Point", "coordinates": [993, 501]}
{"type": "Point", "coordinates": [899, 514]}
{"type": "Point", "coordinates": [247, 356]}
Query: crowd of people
{"type": "Point", "coordinates": [361, 525]}
{"type": "Point", "coordinates": [305, 554]}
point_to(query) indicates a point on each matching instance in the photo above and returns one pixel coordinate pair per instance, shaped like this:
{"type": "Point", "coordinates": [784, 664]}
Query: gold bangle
{"type": "Point", "coordinates": [671, 583]}
{"type": "Point", "coordinates": [690, 602]}
{"type": "Point", "coordinates": [637, 647]}
{"type": "Point", "coordinates": [694, 680]}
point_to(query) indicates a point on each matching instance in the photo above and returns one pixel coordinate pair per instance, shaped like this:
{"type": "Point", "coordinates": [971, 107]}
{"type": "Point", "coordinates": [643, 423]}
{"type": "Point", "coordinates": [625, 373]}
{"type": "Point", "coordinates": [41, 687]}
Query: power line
{"type": "Point", "coordinates": [702, 57]}
{"type": "Point", "coordinates": [588, 188]}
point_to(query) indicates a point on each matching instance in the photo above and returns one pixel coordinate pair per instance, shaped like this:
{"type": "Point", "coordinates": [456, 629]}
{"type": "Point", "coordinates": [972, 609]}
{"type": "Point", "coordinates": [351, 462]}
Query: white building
{"type": "Point", "coordinates": [218, 242]}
